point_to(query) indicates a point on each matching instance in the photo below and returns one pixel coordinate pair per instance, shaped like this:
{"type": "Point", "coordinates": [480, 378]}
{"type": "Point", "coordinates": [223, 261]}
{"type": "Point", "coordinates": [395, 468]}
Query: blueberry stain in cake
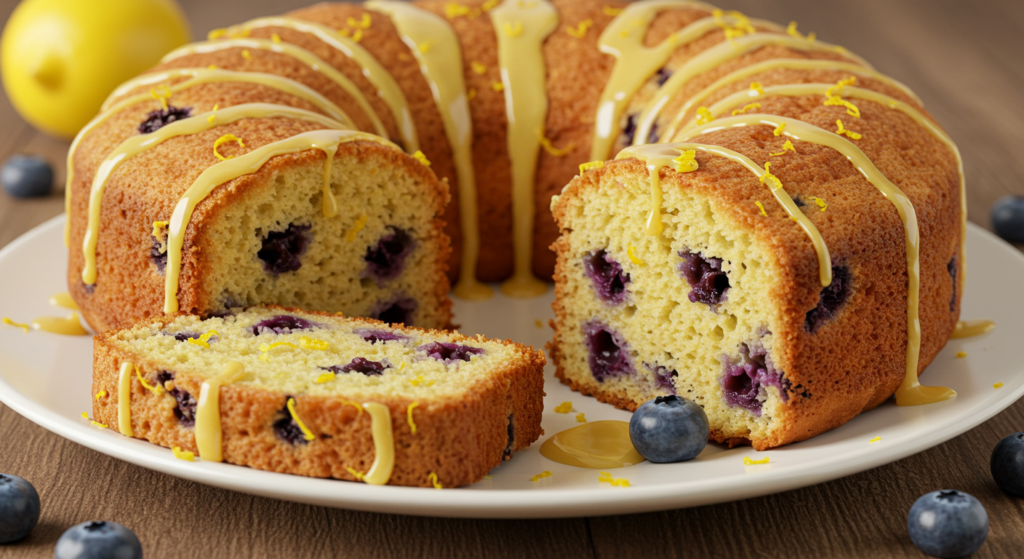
{"type": "Point", "coordinates": [609, 355]}
{"type": "Point", "coordinates": [183, 336]}
{"type": "Point", "coordinates": [952, 269]}
{"type": "Point", "coordinates": [664, 378]}
{"type": "Point", "coordinates": [286, 428]}
{"type": "Point", "coordinates": [708, 282]}
{"type": "Point", "coordinates": [360, 365]}
{"type": "Point", "coordinates": [185, 409]}
{"type": "Point", "coordinates": [511, 432]}
{"type": "Point", "coordinates": [744, 382]}
{"type": "Point", "coordinates": [373, 336]}
{"type": "Point", "coordinates": [158, 255]}
{"type": "Point", "coordinates": [629, 130]}
{"type": "Point", "coordinates": [386, 260]}
{"type": "Point", "coordinates": [449, 352]}
{"type": "Point", "coordinates": [395, 311]}
{"type": "Point", "coordinates": [156, 120]}
{"type": "Point", "coordinates": [662, 76]}
{"type": "Point", "coordinates": [607, 276]}
{"type": "Point", "coordinates": [281, 324]}
{"type": "Point", "coordinates": [831, 299]}
{"type": "Point", "coordinates": [281, 250]}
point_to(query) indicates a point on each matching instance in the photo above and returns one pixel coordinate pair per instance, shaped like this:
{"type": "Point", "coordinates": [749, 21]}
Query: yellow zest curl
{"type": "Point", "coordinates": [761, 208]}
{"type": "Point", "coordinates": [162, 94]}
{"type": "Point", "coordinates": [471, 94]}
{"type": "Point", "coordinates": [306, 433]}
{"type": "Point", "coordinates": [419, 156]}
{"type": "Point", "coordinates": [85, 415]}
{"type": "Point", "coordinates": [747, 461]}
{"type": "Point", "coordinates": [408, 414]}
{"type": "Point", "coordinates": [997, 385]}
{"type": "Point", "coordinates": [353, 404]}
{"type": "Point", "coordinates": [768, 176]}
{"type": "Point", "coordinates": [432, 478]}
{"type": "Point", "coordinates": [820, 203]}
{"type": "Point", "coordinates": [265, 348]}
{"type": "Point", "coordinates": [687, 162]}
{"type": "Point", "coordinates": [211, 117]}
{"type": "Point", "coordinates": [791, 30]}
{"type": "Point", "coordinates": [581, 418]}
{"type": "Point", "coordinates": [513, 29]}
{"type": "Point", "coordinates": [356, 228]}
{"type": "Point", "coordinates": [852, 135]}
{"type": "Point", "coordinates": [478, 67]}
{"type": "Point", "coordinates": [419, 380]}
{"type": "Point", "coordinates": [704, 116]}
{"type": "Point", "coordinates": [875, 440]}
{"type": "Point", "coordinates": [550, 148]}
{"type": "Point", "coordinates": [363, 23]}
{"type": "Point", "coordinates": [538, 323]}
{"type": "Point", "coordinates": [564, 407]}
{"type": "Point", "coordinates": [246, 55]}
{"type": "Point", "coordinates": [788, 146]}
{"type": "Point", "coordinates": [961, 354]}
{"type": "Point", "coordinates": [313, 343]}
{"type": "Point", "coordinates": [584, 167]}
{"type": "Point", "coordinates": [355, 474]}
{"type": "Point", "coordinates": [217, 34]}
{"type": "Point", "coordinates": [851, 109]}
{"type": "Point", "coordinates": [325, 378]}
{"type": "Point", "coordinates": [606, 477]}
{"type": "Point", "coordinates": [541, 476]}
{"type": "Point", "coordinates": [757, 88]}
{"type": "Point", "coordinates": [223, 140]}
{"type": "Point", "coordinates": [735, 30]}
{"type": "Point", "coordinates": [631, 253]}
{"type": "Point", "coordinates": [424, 47]}
{"type": "Point", "coordinates": [779, 129]}
{"type": "Point", "coordinates": [610, 11]}
{"type": "Point", "coordinates": [580, 30]}
{"type": "Point", "coordinates": [183, 454]}
{"type": "Point", "coordinates": [274, 37]}
{"type": "Point", "coordinates": [498, 86]}
{"type": "Point", "coordinates": [24, 327]}
{"type": "Point", "coordinates": [157, 389]}
{"type": "Point", "coordinates": [453, 10]}
{"type": "Point", "coordinates": [101, 394]}
{"type": "Point", "coordinates": [204, 340]}
{"type": "Point", "coordinates": [748, 107]}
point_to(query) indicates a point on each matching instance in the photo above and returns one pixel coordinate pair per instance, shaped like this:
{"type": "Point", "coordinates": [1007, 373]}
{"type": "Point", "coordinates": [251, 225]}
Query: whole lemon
{"type": "Point", "coordinates": [61, 58]}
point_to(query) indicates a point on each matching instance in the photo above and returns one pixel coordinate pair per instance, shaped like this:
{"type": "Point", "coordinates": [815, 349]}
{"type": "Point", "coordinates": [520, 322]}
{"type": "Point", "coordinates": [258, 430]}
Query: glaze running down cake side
{"type": "Point", "coordinates": [321, 395]}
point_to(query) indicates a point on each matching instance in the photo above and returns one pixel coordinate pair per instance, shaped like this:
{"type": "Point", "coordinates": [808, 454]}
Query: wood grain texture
{"type": "Point", "coordinates": [962, 59]}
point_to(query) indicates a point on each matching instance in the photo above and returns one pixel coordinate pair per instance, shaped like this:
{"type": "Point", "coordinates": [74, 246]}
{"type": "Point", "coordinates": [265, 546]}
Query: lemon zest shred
{"type": "Point", "coordinates": [471, 94]}
{"type": "Point", "coordinates": [498, 86]}
{"type": "Point", "coordinates": [223, 140]}
{"type": "Point", "coordinates": [419, 156]}
{"type": "Point", "coordinates": [704, 116]}
{"type": "Point", "coordinates": [353, 404]}
{"type": "Point", "coordinates": [424, 47]}
{"type": "Point", "coordinates": [246, 55]}
{"type": "Point", "coordinates": [550, 147]}
{"type": "Point", "coordinates": [216, 34]}
{"type": "Point", "coordinates": [820, 203]}
{"type": "Point", "coordinates": [85, 415]}
{"type": "Point", "coordinates": [478, 67]}
{"type": "Point", "coordinates": [961, 354]}
{"type": "Point", "coordinates": [183, 454]}
{"type": "Point", "coordinates": [874, 440]}
{"type": "Point", "coordinates": [581, 418]}
{"type": "Point", "coordinates": [851, 109]}
{"type": "Point", "coordinates": [419, 380]}
{"type": "Point", "coordinates": [325, 378]}
{"type": "Point", "coordinates": [791, 30]}
{"type": "Point", "coordinates": [564, 407]}
{"type": "Point", "coordinates": [584, 167]}
{"type": "Point", "coordinates": [432, 478]}
{"type": "Point", "coordinates": [155, 389]}
{"type": "Point", "coordinates": [213, 114]}
{"type": "Point", "coordinates": [408, 416]}
{"type": "Point", "coordinates": [540, 476]}
{"type": "Point", "coordinates": [997, 385]}
{"type": "Point", "coordinates": [453, 10]}
{"type": "Point", "coordinates": [837, 89]}
{"type": "Point", "coordinates": [160, 233]}
{"type": "Point", "coordinates": [211, 67]}
{"type": "Point", "coordinates": [358, 35]}
{"type": "Point", "coordinates": [850, 133]}
{"type": "Point", "coordinates": [24, 327]}
{"type": "Point", "coordinates": [306, 433]}
{"type": "Point", "coordinates": [356, 228]}
{"type": "Point", "coordinates": [313, 343]}
{"type": "Point", "coordinates": [748, 107]}
{"type": "Point", "coordinates": [101, 394]}
{"type": "Point", "coordinates": [779, 129]}
{"type": "Point", "coordinates": [580, 30]}
{"type": "Point", "coordinates": [162, 94]}
{"type": "Point", "coordinates": [513, 29]}
{"type": "Point", "coordinates": [761, 208]}
{"type": "Point", "coordinates": [265, 348]}
{"type": "Point", "coordinates": [631, 253]}
{"type": "Point", "coordinates": [757, 87]}
{"type": "Point", "coordinates": [204, 340]}
{"type": "Point", "coordinates": [747, 461]}
{"type": "Point", "coordinates": [610, 11]}
{"type": "Point", "coordinates": [606, 477]}
{"type": "Point", "coordinates": [538, 323]}
{"type": "Point", "coordinates": [402, 366]}
{"type": "Point", "coordinates": [239, 34]}
{"type": "Point", "coordinates": [357, 475]}
{"type": "Point", "coordinates": [275, 37]}
{"type": "Point", "coordinates": [687, 161]}
{"type": "Point", "coordinates": [735, 30]}
{"type": "Point", "coordinates": [788, 146]}
{"type": "Point", "coordinates": [768, 176]}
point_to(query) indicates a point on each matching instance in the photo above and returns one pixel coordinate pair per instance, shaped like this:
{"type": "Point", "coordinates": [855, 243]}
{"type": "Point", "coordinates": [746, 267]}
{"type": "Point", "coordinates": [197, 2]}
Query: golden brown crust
{"type": "Point", "coordinates": [459, 440]}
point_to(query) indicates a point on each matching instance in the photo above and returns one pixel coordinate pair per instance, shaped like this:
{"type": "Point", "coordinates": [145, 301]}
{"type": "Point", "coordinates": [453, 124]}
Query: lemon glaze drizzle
{"type": "Point", "coordinates": [714, 57]}
{"type": "Point", "coordinates": [437, 49]}
{"type": "Point", "coordinates": [229, 170]}
{"type": "Point", "coordinates": [124, 402]}
{"type": "Point", "coordinates": [208, 433]}
{"type": "Point", "coordinates": [383, 444]}
{"type": "Point", "coordinates": [659, 156]}
{"type": "Point", "coordinates": [526, 104]}
{"type": "Point", "coordinates": [311, 60]}
{"type": "Point", "coordinates": [910, 392]}
{"type": "Point", "coordinates": [138, 144]}
{"type": "Point", "coordinates": [635, 63]}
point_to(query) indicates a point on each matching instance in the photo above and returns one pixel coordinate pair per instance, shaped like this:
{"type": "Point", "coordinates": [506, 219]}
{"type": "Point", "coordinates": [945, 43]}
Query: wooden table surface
{"type": "Point", "coordinates": [963, 59]}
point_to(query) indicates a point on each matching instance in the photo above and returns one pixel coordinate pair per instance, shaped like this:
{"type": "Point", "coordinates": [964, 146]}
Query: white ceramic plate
{"type": "Point", "coordinates": [47, 378]}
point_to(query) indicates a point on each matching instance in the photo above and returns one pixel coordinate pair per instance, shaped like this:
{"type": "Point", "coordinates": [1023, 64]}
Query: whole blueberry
{"type": "Point", "coordinates": [1008, 218]}
{"type": "Point", "coordinates": [669, 429]}
{"type": "Point", "coordinates": [98, 540]}
{"type": "Point", "coordinates": [947, 523]}
{"type": "Point", "coordinates": [1007, 465]}
{"type": "Point", "coordinates": [19, 508]}
{"type": "Point", "coordinates": [27, 176]}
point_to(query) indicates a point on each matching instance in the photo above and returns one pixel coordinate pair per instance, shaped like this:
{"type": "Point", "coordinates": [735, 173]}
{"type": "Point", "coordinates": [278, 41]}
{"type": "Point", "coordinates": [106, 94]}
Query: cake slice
{"type": "Point", "coordinates": [321, 395]}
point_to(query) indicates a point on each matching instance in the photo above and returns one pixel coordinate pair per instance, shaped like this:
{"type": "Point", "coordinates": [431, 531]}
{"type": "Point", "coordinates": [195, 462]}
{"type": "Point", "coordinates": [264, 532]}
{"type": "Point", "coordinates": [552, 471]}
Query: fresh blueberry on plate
{"type": "Point", "coordinates": [27, 176]}
{"type": "Point", "coordinates": [1008, 218]}
{"type": "Point", "coordinates": [1007, 465]}
{"type": "Point", "coordinates": [98, 540]}
{"type": "Point", "coordinates": [669, 429]}
{"type": "Point", "coordinates": [19, 508]}
{"type": "Point", "coordinates": [948, 523]}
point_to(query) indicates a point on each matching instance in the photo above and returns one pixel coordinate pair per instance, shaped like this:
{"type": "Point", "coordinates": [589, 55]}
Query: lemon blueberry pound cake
{"type": "Point", "coordinates": [320, 395]}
